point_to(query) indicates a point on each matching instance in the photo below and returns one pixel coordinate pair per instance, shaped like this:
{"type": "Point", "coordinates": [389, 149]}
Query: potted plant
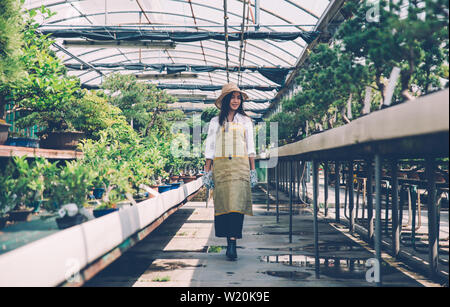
{"type": "Point", "coordinates": [108, 206]}
{"type": "Point", "coordinates": [11, 26]}
{"type": "Point", "coordinates": [68, 193]}
{"type": "Point", "coordinates": [46, 92]}
{"type": "Point", "coordinates": [7, 193]}
{"type": "Point", "coordinates": [28, 187]}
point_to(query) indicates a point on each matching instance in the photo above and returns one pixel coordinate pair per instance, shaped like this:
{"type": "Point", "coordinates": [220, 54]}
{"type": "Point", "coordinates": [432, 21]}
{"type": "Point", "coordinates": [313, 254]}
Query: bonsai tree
{"type": "Point", "coordinates": [144, 106]}
{"type": "Point", "coordinates": [71, 185]}
{"type": "Point", "coordinates": [7, 189]}
{"type": "Point", "coordinates": [93, 113]}
{"type": "Point", "coordinates": [11, 26]}
{"type": "Point", "coordinates": [46, 92]}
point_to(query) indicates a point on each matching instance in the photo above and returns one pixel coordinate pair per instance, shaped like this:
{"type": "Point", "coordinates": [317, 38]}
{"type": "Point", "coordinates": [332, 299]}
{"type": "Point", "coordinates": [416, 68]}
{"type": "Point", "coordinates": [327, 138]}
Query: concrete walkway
{"type": "Point", "coordinates": [184, 252]}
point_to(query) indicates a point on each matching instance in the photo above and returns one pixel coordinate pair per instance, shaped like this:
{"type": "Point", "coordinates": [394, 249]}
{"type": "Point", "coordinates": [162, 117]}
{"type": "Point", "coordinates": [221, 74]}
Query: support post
{"type": "Point", "coordinates": [290, 198]}
{"type": "Point", "coordinates": [325, 184]}
{"type": "Point", "coordinates": [315, 211]}
{"type": "Point", "coordinates": [268, 184]}
{"type": "Point", "coordinates": [337, 190]}
{"type": "Point", "coordinates": [432, 217]}
{"type": "Point", "coordinates": [351, 197]}
{"type": "Point", "coordinates": [378, 213]}
{"type": "Point", "coordinates": [277, 170]}
{"type": "Point", "coordinates": [395, 227]}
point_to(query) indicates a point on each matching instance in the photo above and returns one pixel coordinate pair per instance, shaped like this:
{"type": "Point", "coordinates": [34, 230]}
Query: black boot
{"type": "Point", "coordinates": [232, 254]}
{"type": "Point", "coordinates": [228, 247]}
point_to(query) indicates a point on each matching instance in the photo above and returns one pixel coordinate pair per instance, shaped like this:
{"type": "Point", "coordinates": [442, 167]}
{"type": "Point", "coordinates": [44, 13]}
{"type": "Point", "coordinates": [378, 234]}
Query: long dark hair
{"type": "Point", "coordinates": [225, 109]}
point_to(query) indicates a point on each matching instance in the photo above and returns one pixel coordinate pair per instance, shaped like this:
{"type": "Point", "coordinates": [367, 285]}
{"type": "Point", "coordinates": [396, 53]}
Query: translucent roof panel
{"type": "Point", "coordinates": [174, 16]}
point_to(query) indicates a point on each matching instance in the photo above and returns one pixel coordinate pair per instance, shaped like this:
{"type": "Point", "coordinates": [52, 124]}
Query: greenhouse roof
{"type": "Point", "coordinates": [181, 46]}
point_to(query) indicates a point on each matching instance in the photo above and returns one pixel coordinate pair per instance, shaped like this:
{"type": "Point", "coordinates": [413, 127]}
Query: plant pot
{"type": "Point", "coordinates": [187, 179]}
{"type": "Point", "coordinates": [69, 221]}
{"type": "Point", "coordinates": [3, 221]}
{"type": "Point", "coordinates": [66, 140]}
{"type": "Point", "coordinates": [164, 188]}
{"type": "Point", "coordinates": [175, 185]}
{"type": "Point", "coordinates": [174, 178]}
{"type": "Point", "coordinates": [20, 215]}
{"type": "Point", "coordinates": [4, 128]}
{"type": "Point", "coordinates": [102, 212]}
{"type": "Point", "coordinates": [23, 142]}
{"type": "Point", "coordinates": [98, 192]}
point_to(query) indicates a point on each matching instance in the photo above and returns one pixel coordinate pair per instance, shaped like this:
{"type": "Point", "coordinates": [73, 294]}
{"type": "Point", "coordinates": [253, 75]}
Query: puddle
{"type": "Point", "coordinates": [294, 233]}
{"type": "Point", "coordinates": [335, 267]}
{"type": "Point", "coordinates": [333, 247]}
{"type": "Point", "coordinates": [292, 275]}
{"type": "Point", "coordinates": [171, 266]}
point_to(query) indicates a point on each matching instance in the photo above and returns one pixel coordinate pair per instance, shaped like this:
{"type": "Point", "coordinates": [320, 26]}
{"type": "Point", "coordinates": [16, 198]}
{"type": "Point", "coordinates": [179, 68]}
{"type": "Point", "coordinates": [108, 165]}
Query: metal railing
{"type": "Point", "coordinates": [416, 129]}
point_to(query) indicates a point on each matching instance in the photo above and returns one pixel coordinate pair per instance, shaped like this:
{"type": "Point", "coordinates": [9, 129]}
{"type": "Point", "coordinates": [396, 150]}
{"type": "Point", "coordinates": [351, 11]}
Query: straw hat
{"type": "Point", "coordinates": [227, 89]}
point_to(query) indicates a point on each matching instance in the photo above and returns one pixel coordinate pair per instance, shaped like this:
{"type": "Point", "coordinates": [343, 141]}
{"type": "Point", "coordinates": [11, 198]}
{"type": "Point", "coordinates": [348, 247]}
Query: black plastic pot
{"type": "Point", "coordinates": [102, 212]}
{"type": "Point", "coordinates": [69, 221]}
{"type": "Point", "coordinates": [3, 221]}
{"type": "Point", "coordinates": [20, 215]}
{"type": "Point", "coordinates": [65, 140]}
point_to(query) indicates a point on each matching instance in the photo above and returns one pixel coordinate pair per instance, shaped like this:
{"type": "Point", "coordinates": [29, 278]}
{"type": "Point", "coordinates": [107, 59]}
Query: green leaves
{"type": "Point", "coordinates": [45, 89]}
{"type": "Point", "coordinates": [11, 69]}
{"type": "Point", "coordinates": [363, 55]}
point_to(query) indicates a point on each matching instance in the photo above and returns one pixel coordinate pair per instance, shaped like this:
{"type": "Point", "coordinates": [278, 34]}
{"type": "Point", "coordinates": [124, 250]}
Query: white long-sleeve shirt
{"type": "Point", "coordinates": [210, 146]}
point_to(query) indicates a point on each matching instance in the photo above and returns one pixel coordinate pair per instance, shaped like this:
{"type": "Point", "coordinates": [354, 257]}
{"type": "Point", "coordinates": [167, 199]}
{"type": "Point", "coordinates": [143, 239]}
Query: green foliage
{"type": "Point", "coordinates": [7, 190]}
{"type": "Point", "coordinates": [209, 113]}
{"type": "Point", "coordinates": [363, 56]}
{"type": "Point", "coordinates": [71, 184]}
{"type": "Point", "coordinates": [94, 114]}
{"type": "Point", "coordinates": [22, 182]}
{"type": "Point", "coordinates": [419, 47]}
{"type": "Point", "coordinates": [46, 91]}
{"type": "Point", "coordinates": [11, 26]}
{"type": "Point", "coordinates": [141, 103]}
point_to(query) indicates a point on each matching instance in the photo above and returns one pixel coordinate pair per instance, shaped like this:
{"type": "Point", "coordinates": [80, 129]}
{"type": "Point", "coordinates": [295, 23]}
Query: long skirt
{"type": "Point", "coordinates": [229, 225]}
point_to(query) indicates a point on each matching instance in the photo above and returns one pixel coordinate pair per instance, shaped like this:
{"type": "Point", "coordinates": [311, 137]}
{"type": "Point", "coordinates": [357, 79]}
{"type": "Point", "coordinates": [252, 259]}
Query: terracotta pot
{"type": "Point", "coordinates": [66, 140]}
{"type": "Point", "coordinates": [4, 128]}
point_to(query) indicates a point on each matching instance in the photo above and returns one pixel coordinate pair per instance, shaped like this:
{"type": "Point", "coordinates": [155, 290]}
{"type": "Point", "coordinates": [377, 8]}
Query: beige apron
{"type": "Point", "coordinates": [231, 173]}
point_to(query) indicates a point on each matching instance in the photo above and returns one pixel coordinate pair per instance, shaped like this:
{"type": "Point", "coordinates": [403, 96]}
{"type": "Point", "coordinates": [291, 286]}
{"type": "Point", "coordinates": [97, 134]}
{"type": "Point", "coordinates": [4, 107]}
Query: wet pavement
{"type": "Point", "coordinates": [184, 252]}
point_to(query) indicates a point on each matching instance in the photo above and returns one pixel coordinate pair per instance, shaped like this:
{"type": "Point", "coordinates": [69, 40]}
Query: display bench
{"type": "Point", "coordinates": [72, 256]}
{"type": "Point", "coordinates": [15, 151]}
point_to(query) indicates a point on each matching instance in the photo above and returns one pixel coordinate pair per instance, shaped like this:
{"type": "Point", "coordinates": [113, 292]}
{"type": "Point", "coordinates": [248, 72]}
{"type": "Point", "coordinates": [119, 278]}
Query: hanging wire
{"type": "Point", "coordinates": [225, 17]}
{"type": "Point", "coordinates": [201, 43]}
{"type": "Point", "coordinates": [242, 42]}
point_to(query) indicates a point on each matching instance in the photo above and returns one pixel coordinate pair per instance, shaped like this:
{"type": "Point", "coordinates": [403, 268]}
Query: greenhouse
{"type": "Point", "coordinates": [136, 136]}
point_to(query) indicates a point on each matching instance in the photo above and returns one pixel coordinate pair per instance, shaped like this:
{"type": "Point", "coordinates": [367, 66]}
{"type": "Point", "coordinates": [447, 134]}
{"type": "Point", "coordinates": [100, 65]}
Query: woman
{"type": "Point", "coordinates": [230, 165]}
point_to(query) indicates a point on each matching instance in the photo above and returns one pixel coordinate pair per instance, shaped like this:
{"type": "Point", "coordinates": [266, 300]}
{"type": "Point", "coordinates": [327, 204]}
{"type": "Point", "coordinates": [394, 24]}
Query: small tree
{"type": "Point", "coordinates": [11, 26]}
{"type": "Point", "coordinates": [144, 106]}
{"type": "Point", "coordinates": [46, 92]}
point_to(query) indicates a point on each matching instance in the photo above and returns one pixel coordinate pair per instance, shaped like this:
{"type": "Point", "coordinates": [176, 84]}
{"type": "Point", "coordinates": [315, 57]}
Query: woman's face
{"type": "Point", "coordinates": [235, 101]}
